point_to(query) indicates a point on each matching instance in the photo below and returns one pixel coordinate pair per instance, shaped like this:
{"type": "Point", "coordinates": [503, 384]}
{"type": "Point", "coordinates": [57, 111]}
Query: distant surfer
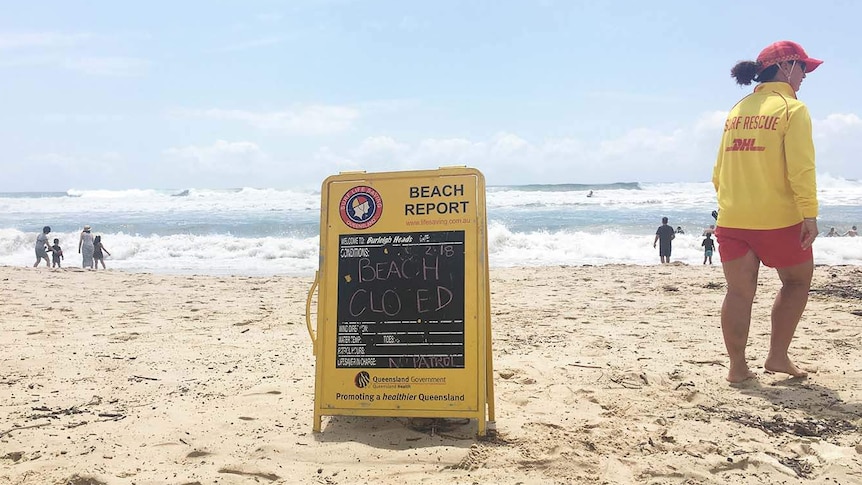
{"type": "Point", "coordinates": [590, 194]}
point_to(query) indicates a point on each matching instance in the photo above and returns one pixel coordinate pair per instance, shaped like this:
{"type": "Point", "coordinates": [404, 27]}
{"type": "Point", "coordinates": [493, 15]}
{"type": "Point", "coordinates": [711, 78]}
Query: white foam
{"type": "Point", "coordinates": [269, 231]}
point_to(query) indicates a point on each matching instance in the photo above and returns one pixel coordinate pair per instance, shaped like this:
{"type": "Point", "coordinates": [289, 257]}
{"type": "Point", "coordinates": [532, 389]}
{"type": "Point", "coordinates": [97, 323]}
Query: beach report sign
{"type": "Point", "coordinates": [403, 309]}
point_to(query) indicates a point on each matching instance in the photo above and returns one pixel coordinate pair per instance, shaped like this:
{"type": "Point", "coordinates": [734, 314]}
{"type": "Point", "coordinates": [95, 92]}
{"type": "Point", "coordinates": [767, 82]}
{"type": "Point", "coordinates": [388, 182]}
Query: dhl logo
{"type": "Point", "coordinates": [744, 145]}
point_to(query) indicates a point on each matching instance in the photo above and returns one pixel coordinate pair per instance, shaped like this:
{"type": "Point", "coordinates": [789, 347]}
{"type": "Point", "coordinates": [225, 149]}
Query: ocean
{"type": "Point", "coordinates": [252, 231]}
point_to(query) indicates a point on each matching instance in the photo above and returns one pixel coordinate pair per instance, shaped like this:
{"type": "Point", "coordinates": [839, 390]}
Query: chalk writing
{"type": "Point", "coordinates": [401, 300]}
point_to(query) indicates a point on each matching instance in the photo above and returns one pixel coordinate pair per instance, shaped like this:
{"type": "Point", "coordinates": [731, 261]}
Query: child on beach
{"type": "Point", "coordinates": [56, 254]}
{"type": "Point", "coordinates": [708, 247]}
{"type": "Point", "coordinates": [98, 249]}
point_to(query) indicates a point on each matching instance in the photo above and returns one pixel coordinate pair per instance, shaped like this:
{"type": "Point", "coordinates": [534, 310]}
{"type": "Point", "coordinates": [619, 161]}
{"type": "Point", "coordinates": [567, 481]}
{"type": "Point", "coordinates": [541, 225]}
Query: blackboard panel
{"type": "Point", "coordinates": [401, 300]}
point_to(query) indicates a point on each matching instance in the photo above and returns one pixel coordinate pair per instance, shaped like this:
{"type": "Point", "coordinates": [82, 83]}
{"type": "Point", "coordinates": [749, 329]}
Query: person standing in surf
{"type": "Point", "coordinates": [664, 235]}
{"type": "Point", "coordinates": [86, 247]}
{"type": "Point", "coordinates": [42, 247]}
{"type": "Point", "coordinates": [765, 181]}
{"type": "Point", "coordinates": [99, 252]}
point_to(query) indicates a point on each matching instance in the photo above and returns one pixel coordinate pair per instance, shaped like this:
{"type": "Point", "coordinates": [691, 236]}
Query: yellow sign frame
{"type": "Point", "coordinates": [428, 227]}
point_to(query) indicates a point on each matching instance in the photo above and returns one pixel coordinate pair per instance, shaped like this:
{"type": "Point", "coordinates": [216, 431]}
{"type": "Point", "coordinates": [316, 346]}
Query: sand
{"type": "Point", "coordinates": [612, 374]}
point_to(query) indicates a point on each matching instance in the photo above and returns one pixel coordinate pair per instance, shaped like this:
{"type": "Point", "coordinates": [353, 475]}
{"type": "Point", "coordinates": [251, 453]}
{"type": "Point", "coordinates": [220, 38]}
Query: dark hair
{"type": "Point", "coordinates": [664, 220]}
{"type": "Point", "coordinates": [97, 239]}
{"type": "Point", "coordinates": [56, 240]}
{"type": "Point", "coordinates": [746, 71]}
{"type": "Point", "coordinates": [46, 229]}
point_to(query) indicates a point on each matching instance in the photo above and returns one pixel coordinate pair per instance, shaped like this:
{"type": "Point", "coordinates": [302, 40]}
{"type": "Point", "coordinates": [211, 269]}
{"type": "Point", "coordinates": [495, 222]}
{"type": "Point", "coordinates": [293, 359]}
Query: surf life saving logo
{"type": "Point", "coordinates": [361, 207]}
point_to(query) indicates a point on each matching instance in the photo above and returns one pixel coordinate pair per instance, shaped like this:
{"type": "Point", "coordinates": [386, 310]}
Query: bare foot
{"type": "Point", "coordinates": [784, 366]}
{"type": "Point", "coordinates": [735, 376]}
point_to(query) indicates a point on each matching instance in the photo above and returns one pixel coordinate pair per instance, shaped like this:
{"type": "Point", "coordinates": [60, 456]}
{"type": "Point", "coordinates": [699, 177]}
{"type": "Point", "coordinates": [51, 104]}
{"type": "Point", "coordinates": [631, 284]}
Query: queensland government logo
{"type": "Point", "coordinates": [362, 379]}
{"type": "Point", "coordinates": [361, 207]}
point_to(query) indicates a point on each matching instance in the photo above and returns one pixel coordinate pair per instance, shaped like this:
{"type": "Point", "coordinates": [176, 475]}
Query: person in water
{"type": "Point", "coordinates": [85, 247]}
{"type": "Point", "coordinates": [42, 247]}
{"type": "Point", "coordinates": [99, 252]}
{"type": "Point", "coordinates": [56, 254]}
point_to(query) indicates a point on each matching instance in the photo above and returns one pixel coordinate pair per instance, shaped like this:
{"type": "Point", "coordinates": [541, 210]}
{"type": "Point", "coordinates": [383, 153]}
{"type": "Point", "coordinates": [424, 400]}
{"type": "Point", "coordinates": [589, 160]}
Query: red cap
{"type": "Point", "coordinates": [785, 50]}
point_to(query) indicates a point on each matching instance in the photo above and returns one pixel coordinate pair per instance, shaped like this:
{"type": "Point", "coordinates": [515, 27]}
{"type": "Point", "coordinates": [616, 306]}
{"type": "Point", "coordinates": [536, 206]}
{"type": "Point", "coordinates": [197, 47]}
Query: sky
{"type": "Point", "coordinates": [266, 94]}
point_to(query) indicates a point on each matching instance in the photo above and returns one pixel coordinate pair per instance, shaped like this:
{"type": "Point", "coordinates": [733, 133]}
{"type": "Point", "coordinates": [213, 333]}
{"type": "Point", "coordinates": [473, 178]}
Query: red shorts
{"type": "Point", "coordinates": [776, 248]}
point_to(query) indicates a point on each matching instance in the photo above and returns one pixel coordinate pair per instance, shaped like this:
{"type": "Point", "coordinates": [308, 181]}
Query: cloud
{"type": "Point", "coordinates": [309, 120]}
{"type": "Point", "coordinates": [642, 140]}
{"type": "Point", "coordinates": [326, 157]}
{"type": "Point", "coordinates": [93, 66]}
{"type": "Point", "coordinates": [837, 123]}
{"type": "Point", "coordinates": [435, 152]}
{"type": "Point", "coordinates": [409, 23]}
{"type": "Point", "coordinates": [102, 163]}
{"type": "Point", "coordinates": [10, 41]}
{"type": "Point", "coordinates": [629, 97]}
{"type": "Point", "coordinates": [108, 66]}
{"type": "Point", "coordinates": [641, 154]}
{"type": "Point", "coordinates": [380, 147]}
{"type": "Point", "coordinates": [710, 122]}
{"type": "Point", "coordinates": [223, 157]}
{"type": "Point", "coordinates": [269, 17]}
{"type": "Point", "coordinates": [838, 143]}
{"type": "Point", "coordinates": [506, 145]}
{"type": "Point", "coordinates": [57, 50]}
{"type": "Point", "coordinates": [78, 118]}
{"type": "Point", "coordinates": [254, 43]}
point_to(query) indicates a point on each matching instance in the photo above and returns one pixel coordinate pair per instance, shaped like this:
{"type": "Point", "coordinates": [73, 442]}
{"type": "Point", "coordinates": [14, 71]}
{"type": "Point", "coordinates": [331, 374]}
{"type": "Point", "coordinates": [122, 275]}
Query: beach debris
{"type": "Point", "coordinates": [670, 288]}
{"type": "Point", "coordinates": [19, 428]}
{"type": "Point", "coordinates": [267, 476]}
{"type": "Point", "coordinates": [808, 427]}
{"type": "Point", "coordinates": [82, 480]}
{"type": "Point", "coordinates": [506, 374]}
{"type": "Point", "coordinates": [802, 468]}
{"type": "Point", "coordinates": [56, 413]}
{"type": "Point", "coordinates": [142, 378]}
{"type": "Point", "coordinates": [706, 362]}
{"type": "Point", "coordinates": [585, 366]}
{"type": "Point", "coordinates": [14, 456]}
{"type": "Point", "coordinates": [111, 415]}
{"type": "Point", "coordinates": [844, 290]}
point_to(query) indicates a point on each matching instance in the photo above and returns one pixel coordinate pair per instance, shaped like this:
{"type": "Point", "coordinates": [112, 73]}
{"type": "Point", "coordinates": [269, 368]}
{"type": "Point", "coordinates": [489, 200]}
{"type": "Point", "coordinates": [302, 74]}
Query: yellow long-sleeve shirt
{"type": "Point", "coordinates": [764, 175]}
